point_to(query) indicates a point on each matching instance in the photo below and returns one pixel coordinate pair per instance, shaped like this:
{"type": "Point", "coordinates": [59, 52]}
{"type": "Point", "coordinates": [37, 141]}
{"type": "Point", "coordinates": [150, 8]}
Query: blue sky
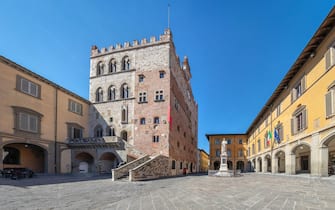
{"type": "Point", "coordinates": [238, 50]}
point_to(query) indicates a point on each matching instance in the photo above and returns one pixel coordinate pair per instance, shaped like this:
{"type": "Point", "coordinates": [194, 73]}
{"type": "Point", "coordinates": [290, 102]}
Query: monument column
{"type": "Point", "coordinates": [223, 171]}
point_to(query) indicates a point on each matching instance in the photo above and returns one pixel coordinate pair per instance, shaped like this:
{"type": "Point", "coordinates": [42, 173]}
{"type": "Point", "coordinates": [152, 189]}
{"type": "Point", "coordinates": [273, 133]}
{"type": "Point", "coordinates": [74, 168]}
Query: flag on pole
{"type": "Point", "coordinates": [268, 140]}
{"type": "Point", "coordinates": [276, 135]}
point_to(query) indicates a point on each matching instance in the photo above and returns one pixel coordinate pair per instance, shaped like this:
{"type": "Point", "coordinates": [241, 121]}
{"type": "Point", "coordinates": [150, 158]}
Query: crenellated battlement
{"type": "Point", "coordinates": [167, 36]}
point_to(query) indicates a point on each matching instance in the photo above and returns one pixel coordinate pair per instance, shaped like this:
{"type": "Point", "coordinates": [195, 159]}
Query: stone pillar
{"type": "Point", "coordinates": [290, 164]}
{"type": "Point", "coordinates": [1, 156]}
{"type": "Point", "coordinates": [274, 165]}
{"type": "Point", "coordinates": [323, 161]}
{"type": "Point", "coordinates": [315, 157]}
{"type": "Point", "coordinates": [264, 165]}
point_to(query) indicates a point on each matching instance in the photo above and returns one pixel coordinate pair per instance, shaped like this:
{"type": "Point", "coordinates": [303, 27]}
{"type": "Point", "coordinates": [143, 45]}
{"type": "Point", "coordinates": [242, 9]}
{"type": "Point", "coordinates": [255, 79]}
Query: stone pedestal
{"type": "Point", "coordinates": [223, 171]}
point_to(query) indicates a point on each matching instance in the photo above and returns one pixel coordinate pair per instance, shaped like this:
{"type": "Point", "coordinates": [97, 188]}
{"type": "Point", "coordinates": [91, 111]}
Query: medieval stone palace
{"type": "Point", "coordinates": [141, 111]}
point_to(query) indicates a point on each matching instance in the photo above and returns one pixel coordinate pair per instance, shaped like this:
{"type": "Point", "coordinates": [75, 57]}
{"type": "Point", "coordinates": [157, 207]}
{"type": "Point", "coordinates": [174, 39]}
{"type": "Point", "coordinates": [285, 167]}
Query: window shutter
{"type": "Point", "coordinates": [293, 95]}
{"type": "Point", "coordinates": [281, 133]}
{"type": "Point", "coordinates": [33, 123]}
{"type": "Point", "coordinates": [329, 103]}
{"type": "Point", "coordinates": [23, 118]}
{"type": "Point", "coordinates": [303, 84]}
{"type": "Point", "coordinates": [293, 126]}
{"type": "Point", "coordinates": [24, 85]}
{"type": "Point", "coordinates": [304, 119]}
{"type": "Point", "coordinates": [329, 56]}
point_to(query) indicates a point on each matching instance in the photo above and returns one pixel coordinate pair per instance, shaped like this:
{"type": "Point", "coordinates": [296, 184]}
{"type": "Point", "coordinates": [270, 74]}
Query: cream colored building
{"type": "Point", "coordinates": [295, 130]}
{"type": "Point", "coordinates": [37, 118]}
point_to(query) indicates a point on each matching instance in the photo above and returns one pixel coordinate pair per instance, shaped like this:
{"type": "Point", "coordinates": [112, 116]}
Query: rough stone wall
{"type": "Point", "coordinates": [148, 59]}
{"type": "Point", "coordinates": [124, 170]}
{"type": "Point", "coordinates": [155, 168]}
{"type": "Point", "coordinates": [184, 114]}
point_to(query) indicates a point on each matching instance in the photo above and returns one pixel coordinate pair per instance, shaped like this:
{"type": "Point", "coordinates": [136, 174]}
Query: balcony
{"type": "Point", "coordinates": [95, 141]}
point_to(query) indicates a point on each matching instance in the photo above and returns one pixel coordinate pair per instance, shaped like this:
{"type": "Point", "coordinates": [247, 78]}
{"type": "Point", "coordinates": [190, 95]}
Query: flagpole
{"type": "Point", "coordinates": [272, 141]}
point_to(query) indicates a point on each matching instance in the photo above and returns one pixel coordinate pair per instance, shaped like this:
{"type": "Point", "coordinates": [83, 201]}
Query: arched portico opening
{"type": "Point", "coordinates": [279, 162]}
{"type": "Point", "coordinates": [216, 165]}
{"type": "Point", "coordinates": [249, 167]}
{"type": "Point", "coordinates": [22, 155]}
{"type": "Point", "coordinates": [301, 159]}
{"type": "Point", "coordinates": [327, 151]}
{"type": "Point", "coordinates": [240, 165]}
{"type": "Point", "coordinates": [107, 162]}
{"type": "Point", "coordinates": [267, 163]}
{"type": "Point", "coordinates": [230, 165]}
{"type": "Point", "coordinates": [253, 166]}
{"type": "Point", "coordinates": [85, 162]}
{"type": "Point", "coordinates": [259, 161]}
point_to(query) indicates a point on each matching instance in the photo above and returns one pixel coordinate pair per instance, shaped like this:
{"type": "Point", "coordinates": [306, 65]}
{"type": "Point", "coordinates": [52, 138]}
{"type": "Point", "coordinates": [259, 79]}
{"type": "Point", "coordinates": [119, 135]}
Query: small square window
{"type": "Point", "coordinates": [111, 119]}
{"type": "Point", "coordinates": [156, 120]}
{"type": "Point", "coordinates": [142, 121]}
{"type": "Point", "coordinates": [161, 74]}
{"type": "Point", "coordinates": [141, 78]}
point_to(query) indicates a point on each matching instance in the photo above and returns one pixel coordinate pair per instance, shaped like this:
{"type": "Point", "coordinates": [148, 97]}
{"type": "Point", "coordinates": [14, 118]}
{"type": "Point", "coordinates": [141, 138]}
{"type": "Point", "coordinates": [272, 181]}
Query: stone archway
{"type": "Point", "coordinates": [327, 160]}
{"type": "Point", "coordinates": [85, 162]}
{"type": "Point", "coordinates": [216, 165]}
{"type": "Point", "coordinates": [259, 168]}
{"type": "Point", "coordinates": [253, 166]}
{"type": "Point", "coordinates": [107, 162]}
{"type": "Point", "coordinates": [267, 163]}
{"type": "Point", "coordinates": [230, 165]}
{"type": "Point", "coordinates": [23, 155]}
{"type": "Point", "coordinates": [301, 159]}
{"type": "Point", "coordinates": [279, 162]}
{"type": "Point", "coordinates": [240, 165]}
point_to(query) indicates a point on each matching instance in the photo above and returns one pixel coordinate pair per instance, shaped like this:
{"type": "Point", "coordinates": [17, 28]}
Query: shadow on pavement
{"type": "Point", "coordinates": [44, 179]}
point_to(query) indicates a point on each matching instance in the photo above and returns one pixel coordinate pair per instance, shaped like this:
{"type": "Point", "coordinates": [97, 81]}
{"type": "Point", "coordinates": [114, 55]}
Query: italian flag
{"type": "Point", "coordinates": [268, 140]}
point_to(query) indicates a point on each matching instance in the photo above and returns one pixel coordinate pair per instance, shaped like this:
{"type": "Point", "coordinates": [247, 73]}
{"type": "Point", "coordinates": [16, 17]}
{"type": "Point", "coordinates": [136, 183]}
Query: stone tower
{"type": "Point", "coordinates": [141, 92]}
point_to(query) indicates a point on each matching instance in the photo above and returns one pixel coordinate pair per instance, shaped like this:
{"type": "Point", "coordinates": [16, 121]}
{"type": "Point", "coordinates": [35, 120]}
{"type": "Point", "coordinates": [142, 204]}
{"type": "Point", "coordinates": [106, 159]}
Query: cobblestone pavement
{"type": "Point", "coordinates": [251, 191]}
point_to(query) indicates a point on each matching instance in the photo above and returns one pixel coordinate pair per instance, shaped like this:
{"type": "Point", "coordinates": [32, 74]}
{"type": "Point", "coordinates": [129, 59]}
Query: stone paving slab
{"type": "Point", "coordinates": [251, 191]}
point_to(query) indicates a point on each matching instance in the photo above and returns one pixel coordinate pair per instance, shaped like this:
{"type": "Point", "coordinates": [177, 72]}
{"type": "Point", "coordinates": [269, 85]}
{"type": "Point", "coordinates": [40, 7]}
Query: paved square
{"type": "Point", "coordinates": [251, 191]}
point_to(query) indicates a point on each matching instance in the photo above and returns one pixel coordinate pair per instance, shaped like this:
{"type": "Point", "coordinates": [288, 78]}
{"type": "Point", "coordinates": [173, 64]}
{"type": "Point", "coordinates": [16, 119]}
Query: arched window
{"type": "Point", "coordinates": [124, 91]}
{"type": "Point", "coordinates": [124, 115]}
{"type": "Point", "coordinates": [110, 131]}
{"type": "Point", "coordinates": [124, 135]}
{"type": "Point", "coordinates": [98, 132]}
{"type": "Point", "coordinates": [111, 93]}
{"type": "Point", "coordinates": [100, 68]}
{"type": "Point", "coordinates": [99, 95]}
{"type": "Point", "coordinates": [125, 63]}
{"type": "Point", "coordinates": [112, 66]}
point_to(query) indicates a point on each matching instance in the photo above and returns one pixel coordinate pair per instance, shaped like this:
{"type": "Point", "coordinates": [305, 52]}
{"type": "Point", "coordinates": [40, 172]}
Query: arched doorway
{"type": "Point", "coordinates": [240, 165]}
{"type": "Point", "coordinates": [107, 162]}
{"type": "Point", "coordinates": [280, 161]}
{"type": "Point", "coordinates": [302, 158]}
{"type": "Point", "coordinates": [253, 166]}
{"type": "Point", "coordinates": [216, 165]}
{"type": "Point", "coordinates": [230, 165]}
{"type": "Point", "coordinates": [85, 162]}
{"type": "Point", "coordinates": [267, 159]}
{"type": "Point", "coordinates": [259, 161]}
{"type": "Point", "coordinates": [21, 155]}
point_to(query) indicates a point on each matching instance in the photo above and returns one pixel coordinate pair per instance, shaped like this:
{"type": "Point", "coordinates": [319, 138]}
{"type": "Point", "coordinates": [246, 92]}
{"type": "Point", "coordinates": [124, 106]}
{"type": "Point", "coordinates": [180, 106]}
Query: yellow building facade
{"type": "Point", "coordinates": [37, 118]}
{"type": "Point", "coordinates": [236, 151]}
{"type": "Point", "coordinates": [295, 130]}
{"type": "Point", "coordinates": [203, 161]}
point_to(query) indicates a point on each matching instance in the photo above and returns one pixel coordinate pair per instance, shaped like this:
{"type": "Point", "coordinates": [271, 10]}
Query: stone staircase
{"type": "Point", "coordinates": [143, 168]}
